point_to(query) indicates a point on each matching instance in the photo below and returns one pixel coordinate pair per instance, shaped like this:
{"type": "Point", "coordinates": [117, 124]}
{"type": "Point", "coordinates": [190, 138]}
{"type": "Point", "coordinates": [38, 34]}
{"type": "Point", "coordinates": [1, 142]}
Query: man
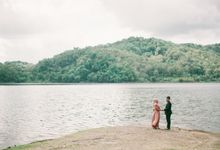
{"type": "Point", "coordinates": [168, 112]}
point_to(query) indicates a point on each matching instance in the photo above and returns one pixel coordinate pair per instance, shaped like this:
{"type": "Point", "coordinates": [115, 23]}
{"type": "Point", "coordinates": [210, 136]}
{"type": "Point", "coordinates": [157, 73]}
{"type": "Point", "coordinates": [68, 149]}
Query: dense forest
{"type": "Point", "coordinates": [135, 59]}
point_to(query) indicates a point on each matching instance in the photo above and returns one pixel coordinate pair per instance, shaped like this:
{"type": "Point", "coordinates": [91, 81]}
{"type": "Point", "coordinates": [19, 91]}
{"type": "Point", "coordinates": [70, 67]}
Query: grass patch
{"type": "Point", "coordinates": [20, 147]}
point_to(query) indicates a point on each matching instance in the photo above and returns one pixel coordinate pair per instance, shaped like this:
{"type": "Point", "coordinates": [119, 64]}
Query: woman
{"type": "Point", "coordinates": [156, 114]}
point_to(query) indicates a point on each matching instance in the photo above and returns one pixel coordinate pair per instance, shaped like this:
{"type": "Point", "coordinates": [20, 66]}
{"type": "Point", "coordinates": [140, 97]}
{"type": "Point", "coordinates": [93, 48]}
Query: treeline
{"type": "Point", "coordinates": [16, 71]}
{"type": "Point", "coordinates": [130, 60]}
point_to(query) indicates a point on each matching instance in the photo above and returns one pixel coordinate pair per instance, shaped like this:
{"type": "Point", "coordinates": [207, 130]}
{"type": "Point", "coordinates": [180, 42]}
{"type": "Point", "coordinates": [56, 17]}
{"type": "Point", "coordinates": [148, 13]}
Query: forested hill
{"type": "Point", "coordinates": [135, 59]}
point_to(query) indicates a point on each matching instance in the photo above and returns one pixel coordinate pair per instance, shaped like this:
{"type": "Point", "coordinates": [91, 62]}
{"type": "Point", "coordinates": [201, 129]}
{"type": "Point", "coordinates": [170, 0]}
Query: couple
{"type": "Point", "coordinates": [156, 113]}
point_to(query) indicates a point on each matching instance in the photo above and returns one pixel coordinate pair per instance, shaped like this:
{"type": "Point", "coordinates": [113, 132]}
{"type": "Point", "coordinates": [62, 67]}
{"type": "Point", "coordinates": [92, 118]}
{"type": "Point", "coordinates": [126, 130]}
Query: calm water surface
{"type": "Point", "coordinates": [36, 112]}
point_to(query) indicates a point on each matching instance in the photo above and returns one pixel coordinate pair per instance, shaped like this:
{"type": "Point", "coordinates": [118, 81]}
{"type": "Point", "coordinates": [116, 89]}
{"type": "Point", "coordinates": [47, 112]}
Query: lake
{"type": "Point", "coordinates": [35, 112]}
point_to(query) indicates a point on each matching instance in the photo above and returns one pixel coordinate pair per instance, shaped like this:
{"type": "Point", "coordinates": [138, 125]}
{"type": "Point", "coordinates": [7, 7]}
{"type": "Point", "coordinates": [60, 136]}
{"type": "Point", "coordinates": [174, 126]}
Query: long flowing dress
{"type": "Point", "coordinates": [156, 116]}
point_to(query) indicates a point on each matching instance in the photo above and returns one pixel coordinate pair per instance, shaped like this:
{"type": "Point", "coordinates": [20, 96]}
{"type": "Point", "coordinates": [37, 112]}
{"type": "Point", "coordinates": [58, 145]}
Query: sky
{"type": "Point", "coordinates": [31, 30]}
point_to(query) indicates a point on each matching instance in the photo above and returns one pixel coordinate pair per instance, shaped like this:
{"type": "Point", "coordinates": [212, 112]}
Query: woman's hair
{"type": "Point", "coordinates": [168, 97]}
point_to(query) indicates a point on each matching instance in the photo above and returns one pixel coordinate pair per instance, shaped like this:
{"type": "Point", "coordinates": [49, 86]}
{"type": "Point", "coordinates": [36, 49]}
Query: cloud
{"type": "Point", "coordinates": [168, 18]}
{"type": "Point", "coordinates": [31, 30]}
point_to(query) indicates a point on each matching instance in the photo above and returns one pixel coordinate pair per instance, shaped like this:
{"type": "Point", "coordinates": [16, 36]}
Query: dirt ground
{"type": "Point", "coordinates": [131, 138]}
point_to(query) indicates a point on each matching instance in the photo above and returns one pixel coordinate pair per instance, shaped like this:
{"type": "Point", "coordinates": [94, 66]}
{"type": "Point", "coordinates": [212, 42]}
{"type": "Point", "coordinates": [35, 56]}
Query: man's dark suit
{"type": "Point", "coordinates": [168, 113]}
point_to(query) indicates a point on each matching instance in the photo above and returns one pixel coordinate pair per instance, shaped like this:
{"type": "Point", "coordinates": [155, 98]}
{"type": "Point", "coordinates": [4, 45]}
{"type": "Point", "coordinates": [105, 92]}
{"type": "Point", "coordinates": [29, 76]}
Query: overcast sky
{"type": "Point", "coordinates": [31, 30]}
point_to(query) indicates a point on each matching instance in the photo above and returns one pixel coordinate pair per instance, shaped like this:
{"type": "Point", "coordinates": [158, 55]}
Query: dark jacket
{"type": "Point", "coordinates": [167, 109]}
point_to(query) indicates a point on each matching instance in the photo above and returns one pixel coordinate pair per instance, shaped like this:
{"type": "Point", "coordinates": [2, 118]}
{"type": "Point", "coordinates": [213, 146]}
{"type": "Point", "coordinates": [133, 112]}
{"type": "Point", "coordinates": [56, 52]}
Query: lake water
{"type": "Point", "coordinates": [36, 112]}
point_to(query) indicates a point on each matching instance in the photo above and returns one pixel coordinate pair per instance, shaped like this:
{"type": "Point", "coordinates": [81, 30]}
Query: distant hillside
{"type": "Point", "coordinates": [135, 59]}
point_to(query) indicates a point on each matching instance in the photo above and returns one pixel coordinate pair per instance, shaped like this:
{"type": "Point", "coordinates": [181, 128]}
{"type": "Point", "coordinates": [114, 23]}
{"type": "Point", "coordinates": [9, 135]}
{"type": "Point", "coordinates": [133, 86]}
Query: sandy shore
{"type": "Point", "coordinates": [130, 138]}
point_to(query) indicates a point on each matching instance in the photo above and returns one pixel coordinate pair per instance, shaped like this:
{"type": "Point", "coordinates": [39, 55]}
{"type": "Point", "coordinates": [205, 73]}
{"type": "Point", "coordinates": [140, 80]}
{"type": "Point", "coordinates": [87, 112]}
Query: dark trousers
{"type": "Point", "coordinates": [168, 120]}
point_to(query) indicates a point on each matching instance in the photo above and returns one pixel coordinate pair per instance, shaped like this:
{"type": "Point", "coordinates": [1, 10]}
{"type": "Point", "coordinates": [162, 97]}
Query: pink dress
{"type": "Point", "coordinates": [156, 116]}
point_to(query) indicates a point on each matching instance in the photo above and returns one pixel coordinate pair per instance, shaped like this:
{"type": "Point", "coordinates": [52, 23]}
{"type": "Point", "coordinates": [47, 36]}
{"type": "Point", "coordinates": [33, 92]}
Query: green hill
{"type": "Point", "coordinates": [135, 59]}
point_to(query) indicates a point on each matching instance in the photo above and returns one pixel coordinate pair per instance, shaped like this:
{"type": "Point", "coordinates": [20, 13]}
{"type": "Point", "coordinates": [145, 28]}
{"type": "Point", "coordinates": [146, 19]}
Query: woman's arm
{"type": "Point", "coordinates": [157, 108]}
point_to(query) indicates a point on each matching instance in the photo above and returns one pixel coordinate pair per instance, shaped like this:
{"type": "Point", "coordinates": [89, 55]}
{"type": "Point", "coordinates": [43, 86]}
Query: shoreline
{"type": "Point", "coordinates": [129, 138]}
{"type": "Point", "coordinates": [101, 83]}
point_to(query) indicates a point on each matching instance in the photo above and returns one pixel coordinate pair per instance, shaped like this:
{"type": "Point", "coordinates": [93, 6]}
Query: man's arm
{"type": "Point", "coordinates": [168, 107]}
